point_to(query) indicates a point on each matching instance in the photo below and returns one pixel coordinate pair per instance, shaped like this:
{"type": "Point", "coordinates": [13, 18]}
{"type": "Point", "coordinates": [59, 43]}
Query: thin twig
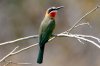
{"type": "Point", "coordinates": [8, 54]}
{"type": "Point", "coordinates": [80, 41]}
{"type": "Point", "coordinates": [24, 49]}
{"type": "Point", "coordinates": [10, 62]}
{"type": "Point", "coordinates": [81, 37]}
{"type": "Point", "coordinates": [22, 63]}
{"type": "Point", "coordinates": [82, 24]}
{"type": "Point", "coordinates": [20, 39]}
{"type": "Point", "coordinates": [89, 36]}
{"type": "Point", "coordinates": [69, 30]}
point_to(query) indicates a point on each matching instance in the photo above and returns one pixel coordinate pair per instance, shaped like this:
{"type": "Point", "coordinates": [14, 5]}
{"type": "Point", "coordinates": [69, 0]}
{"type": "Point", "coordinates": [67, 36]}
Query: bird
{"type": "Point", "coordinates": [46, 29]}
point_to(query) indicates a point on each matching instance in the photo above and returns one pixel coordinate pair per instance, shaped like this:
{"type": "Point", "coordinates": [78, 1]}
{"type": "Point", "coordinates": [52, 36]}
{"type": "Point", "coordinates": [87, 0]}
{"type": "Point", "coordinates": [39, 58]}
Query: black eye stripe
{"type": "Point", "coordinates": [50, 10]}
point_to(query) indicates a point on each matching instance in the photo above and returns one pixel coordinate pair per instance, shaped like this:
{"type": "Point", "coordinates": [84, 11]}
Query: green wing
{"type": "Point", "coordinates": [46, 32]}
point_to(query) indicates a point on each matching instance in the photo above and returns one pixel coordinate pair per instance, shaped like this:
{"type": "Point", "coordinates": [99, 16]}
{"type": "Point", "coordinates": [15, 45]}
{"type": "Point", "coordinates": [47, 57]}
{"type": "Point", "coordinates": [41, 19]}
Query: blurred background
{"type": "Point", "coordinates": [20, 18]}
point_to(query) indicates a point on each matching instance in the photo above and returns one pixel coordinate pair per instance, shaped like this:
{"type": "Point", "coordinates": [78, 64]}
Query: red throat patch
{"type": "Point", "coordinates": [53, 13]}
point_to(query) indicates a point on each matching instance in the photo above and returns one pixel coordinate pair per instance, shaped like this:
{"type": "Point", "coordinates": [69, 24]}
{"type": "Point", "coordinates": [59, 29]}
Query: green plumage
{"type": "Point", "coordinates": [46, 28]}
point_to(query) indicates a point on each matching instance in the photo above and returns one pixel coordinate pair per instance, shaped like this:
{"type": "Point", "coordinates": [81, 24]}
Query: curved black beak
{"type": "Point", "coordinates": [59, 7]}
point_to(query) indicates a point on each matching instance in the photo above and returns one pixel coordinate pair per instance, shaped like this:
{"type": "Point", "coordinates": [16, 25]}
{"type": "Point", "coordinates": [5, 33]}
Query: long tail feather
{"type": "Point", "coordinates": [40, 55]}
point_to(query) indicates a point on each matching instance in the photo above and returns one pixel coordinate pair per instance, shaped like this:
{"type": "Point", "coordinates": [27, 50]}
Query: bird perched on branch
{"type": "Point", "coordinates": [46, 28]}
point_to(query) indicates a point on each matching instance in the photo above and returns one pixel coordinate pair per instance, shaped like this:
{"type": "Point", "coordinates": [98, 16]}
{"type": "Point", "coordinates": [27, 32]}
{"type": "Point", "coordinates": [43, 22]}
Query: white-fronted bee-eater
{"type": "Point", "coordinates": [46, 28]}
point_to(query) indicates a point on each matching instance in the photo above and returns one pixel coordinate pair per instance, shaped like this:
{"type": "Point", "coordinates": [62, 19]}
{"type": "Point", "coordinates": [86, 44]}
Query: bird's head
{"type": "Point", "coordinates": [51, 12]}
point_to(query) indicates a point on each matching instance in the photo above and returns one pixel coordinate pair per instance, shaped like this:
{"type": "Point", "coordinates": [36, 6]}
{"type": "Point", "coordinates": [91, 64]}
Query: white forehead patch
{"type": "Point", "coordinates": [53, 7]}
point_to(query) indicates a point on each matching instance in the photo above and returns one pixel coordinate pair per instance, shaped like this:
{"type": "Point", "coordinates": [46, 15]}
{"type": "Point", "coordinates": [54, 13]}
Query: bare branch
{"type": "Point", "coordinates": [82, 24]}
{"type": "Point", "coordinates": [81, 37]}
{"type": "Point", "coordinates": [80, 41]}
{"type": "Point", "coordinates": [13, 53]}
{"type": "Point", "coordinates": [78, 36]}
{"type": "Point", "coordinates": [10, 62]}
{"type": "Point", "coordinates": [22, 63]}
{"type": "Point", "coordinates": [20, 39]}
{"type": "Point", "coordinates": [89, 36]}
{"type": "Point", "coordinates": [8, 54]}
{"type": "Point", "coordinates": [97, 45]}
{"type": "Point", "coordinates": [24, 49]}
{"type": "Point", "coordinates": [68, 31]}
